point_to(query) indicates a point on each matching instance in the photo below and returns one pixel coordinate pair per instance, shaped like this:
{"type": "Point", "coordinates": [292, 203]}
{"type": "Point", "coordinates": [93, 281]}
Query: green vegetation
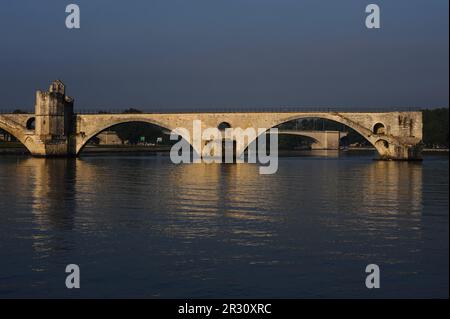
{"type": "Point", "coordinates": [435, 128]}
{"type": "Point", "coordinates": [133, 132]}
{"type": "Point", "coordinates": [19, 111]}
{"type": "Point", "coordinates": [137, 132]}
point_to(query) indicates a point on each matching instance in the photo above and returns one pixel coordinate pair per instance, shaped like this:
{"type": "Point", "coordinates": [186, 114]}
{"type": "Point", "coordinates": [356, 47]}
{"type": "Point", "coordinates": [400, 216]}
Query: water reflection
{"type": "Point", "coordinates": [391, 184]}
{"type": "Point", "coordinates": [53, 188]}
{"type": "Point", "coordinates": [51, 184]}
{"type": "Point", "coordinates": [190, 219]}
{"type": "Point", "coordinates": [98, 194]}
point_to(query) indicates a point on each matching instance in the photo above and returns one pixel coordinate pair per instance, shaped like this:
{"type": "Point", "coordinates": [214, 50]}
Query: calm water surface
{"type": "Point", "coordinates": [139, 226]}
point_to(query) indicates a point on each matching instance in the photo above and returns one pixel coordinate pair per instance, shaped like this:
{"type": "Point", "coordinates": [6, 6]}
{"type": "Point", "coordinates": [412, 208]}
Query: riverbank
{"type": "Point", "coordinates": [435, 150]}
{"type": "Point", "coordinates": [95, 149]}
{"type": "Point", "coordinates": [18, 148]}
{"type": "Point", "coordinates": [425, 150]}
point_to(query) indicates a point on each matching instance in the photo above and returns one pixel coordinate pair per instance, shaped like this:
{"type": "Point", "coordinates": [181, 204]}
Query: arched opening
{"type": "Point", "coordinates": [129, 136]}
{"type": "Point", "coordinates": [223, 126]}
{"type": "Point", "coordinates": [298, 133]}
{"type": "Point", "coordinates": [379, 129]}
{"type": "Point", "coordinates": [318, 131]}
{"type": "Point", "coordinates": [382, 143]}
{"type": "Point", "coordinates": [31, 123]}
{"type": "Point", "coordinates": [9, 144]}
{"type": "Point", "coordinates": [348, 137]}
{"type": "Point", "coordinates": [137, 137]}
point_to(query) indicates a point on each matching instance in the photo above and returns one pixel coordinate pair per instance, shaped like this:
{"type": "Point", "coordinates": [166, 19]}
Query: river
{"type": "Point", "coordinates": [140, 226]}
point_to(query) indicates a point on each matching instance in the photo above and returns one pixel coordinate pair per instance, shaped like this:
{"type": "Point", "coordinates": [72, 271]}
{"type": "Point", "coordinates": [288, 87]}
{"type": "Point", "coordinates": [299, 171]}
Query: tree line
{"type": "Point", "coordinates": [435, 128]}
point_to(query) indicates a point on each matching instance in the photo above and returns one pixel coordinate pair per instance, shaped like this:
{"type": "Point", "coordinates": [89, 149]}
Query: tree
{"type": "Point", "coordinates": [19, 111]}
{"type": "Point", "coordinates": [435, 127]}
{"type": "Point", "coordinates": [132, 111]}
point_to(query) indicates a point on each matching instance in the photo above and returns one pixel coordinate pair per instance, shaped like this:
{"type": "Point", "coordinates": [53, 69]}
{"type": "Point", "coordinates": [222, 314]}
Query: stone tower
{"type": "Point", "coordinates": [53, 111]}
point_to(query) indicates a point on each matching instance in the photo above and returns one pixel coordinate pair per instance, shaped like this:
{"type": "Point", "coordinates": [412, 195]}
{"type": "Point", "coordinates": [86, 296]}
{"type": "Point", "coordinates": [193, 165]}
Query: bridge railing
{"type": "Point", "coordinates": [160, 110]}
{"type": "Point", "coordinates": [155, 110]}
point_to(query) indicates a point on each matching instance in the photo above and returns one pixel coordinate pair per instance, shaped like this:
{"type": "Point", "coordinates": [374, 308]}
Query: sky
{"type": "Point", "coordinates": [210, 54]}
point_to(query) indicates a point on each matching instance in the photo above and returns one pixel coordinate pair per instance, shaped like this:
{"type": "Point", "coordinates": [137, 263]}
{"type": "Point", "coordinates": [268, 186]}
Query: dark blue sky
{"type": "Point", "coordinates": [227, 53]}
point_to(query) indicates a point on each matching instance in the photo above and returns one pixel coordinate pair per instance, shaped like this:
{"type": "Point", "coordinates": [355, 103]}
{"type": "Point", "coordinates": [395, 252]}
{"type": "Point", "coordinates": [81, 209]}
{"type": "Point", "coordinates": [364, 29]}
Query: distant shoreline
{"type": "Point", "coordinates": [426, 150]}
{"type": "Point", "coordinates": [440, 150]}
{"type": "Point", "coordinates": [18, 149]}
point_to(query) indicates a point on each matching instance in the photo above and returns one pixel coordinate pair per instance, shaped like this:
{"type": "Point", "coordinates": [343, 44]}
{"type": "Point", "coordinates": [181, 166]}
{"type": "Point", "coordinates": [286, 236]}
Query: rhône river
{"type": "Point", "coordinates": [140, 226]}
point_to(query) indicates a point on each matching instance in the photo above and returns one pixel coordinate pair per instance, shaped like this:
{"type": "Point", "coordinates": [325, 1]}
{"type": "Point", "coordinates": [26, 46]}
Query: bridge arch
{"type": "Point", "coordinates": [85, 137]}
{"type": "Point", "coordinates": [26, 141]}
{"type": "Point", "coordinates": [382, 146]}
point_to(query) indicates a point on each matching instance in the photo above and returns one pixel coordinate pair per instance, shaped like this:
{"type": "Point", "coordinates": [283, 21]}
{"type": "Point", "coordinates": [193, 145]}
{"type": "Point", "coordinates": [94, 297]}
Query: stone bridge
{"type": "Point", "coordinates": [55, 130]}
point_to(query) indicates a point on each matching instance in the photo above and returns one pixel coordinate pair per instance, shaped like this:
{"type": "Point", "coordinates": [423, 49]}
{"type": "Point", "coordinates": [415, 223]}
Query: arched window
{"type": "Point", "coordinates": [224, 125]}
{"type": "Point", "coordinates": [31, 123]}
{"type": "Point", "coordinates": [379, 129]}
